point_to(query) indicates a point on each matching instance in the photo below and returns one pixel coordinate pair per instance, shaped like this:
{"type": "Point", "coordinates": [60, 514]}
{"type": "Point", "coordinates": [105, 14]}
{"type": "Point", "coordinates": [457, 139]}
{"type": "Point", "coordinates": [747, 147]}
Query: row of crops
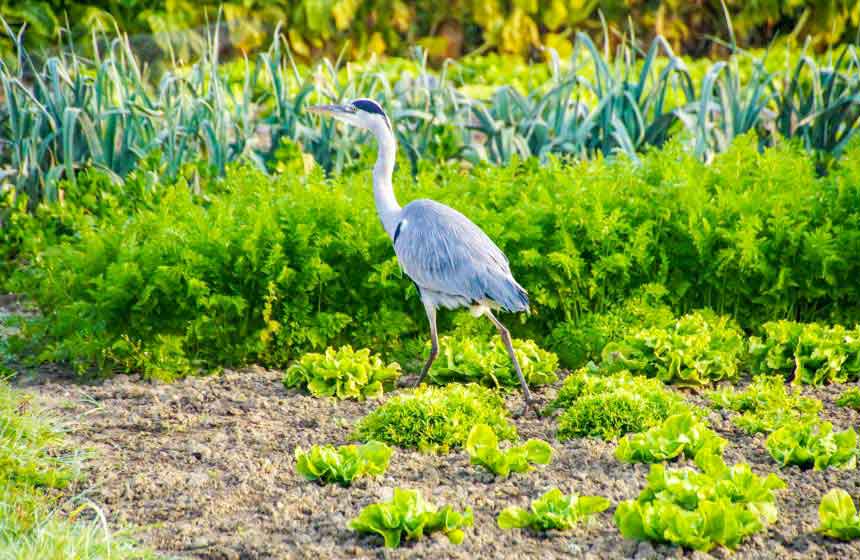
{"type": "Point", "coordinates": [204, 273]}
{"type": "Point", "coordinates": [66, 113]}
{"type": "Point", "coordinates": [624, 396]}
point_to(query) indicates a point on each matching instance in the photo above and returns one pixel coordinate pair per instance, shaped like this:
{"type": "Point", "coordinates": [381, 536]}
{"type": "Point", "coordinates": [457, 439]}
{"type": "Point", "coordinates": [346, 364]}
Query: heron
{"type": "Point", "coordinates": [451, 261]}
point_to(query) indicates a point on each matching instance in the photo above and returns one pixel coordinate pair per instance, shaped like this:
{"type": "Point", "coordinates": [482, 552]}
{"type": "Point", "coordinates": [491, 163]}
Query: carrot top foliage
{"type": "Point", "coordinates": [168, 282]}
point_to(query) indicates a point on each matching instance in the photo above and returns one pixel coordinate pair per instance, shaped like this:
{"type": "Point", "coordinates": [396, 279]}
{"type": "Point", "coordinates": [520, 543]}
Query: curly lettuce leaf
{"type": "Point", "coordinates": [809, 353]}
{"type": "Point", "coordinates": [700, 348]}
{"type": "Point", "coordinates": [679, 434]}
{"type": "Point", "coordinates": [597, 404]}
{"type": "Point", "coordinates": [838, 517]}
{"type": "Point", "coordinates": [553, 510]}
{"type": "Point", "coordinates": [343, 464]}
{"type": "Point", "coordinates": [699, 510]}
{"type": "Point", "coordinates": [487, 362]}
{"type": "Point", "coordinates": [409, 514]}
{"type": "Point", "coordinates": [483, 448]}
{"type": "Point", "coordinates": [436, 419]}
{"type": "Point", "coordinates": [766, 404]}
{"type": "Point", "coordinates": [343, 373]}
{"type": "Point", "coordinates": [813, 445]}
{"type": "Point", "coordinates": [850, 398]}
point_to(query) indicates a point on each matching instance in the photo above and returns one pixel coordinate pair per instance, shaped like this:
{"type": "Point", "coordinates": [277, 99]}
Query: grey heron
{"type": "Point", "coordinates": [452, 262]}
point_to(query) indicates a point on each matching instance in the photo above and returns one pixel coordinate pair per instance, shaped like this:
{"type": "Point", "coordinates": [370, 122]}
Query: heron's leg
{"type": "Point", "coordinates": [434, 341]}
{"type": "Point", "coordinates": [506, 338]}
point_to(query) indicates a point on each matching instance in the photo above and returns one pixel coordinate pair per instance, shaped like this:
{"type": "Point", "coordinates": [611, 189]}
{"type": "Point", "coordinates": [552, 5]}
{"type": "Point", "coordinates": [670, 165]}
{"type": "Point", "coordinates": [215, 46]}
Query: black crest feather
{"type": "Point", "coordinates": [371, 106]}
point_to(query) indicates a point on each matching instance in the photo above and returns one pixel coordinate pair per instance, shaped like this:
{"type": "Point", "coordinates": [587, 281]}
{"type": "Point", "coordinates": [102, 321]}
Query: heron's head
{"type": "Point", "coordinates": [363, 113]}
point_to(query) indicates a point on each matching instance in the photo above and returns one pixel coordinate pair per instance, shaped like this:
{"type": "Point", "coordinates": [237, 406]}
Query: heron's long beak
{"type": "Point", "coordinates": [333, 110]}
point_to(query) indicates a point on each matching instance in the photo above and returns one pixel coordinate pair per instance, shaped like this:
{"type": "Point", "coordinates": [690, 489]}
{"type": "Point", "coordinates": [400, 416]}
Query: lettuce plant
{"type": "Point", "coordinates": [698, 349]}
{"type": "Point", "coordinates": [343, 464]}
{"type": "Point", "coordinates": [609, 406]}
{"type": "Point", "coordinates": [850, 398]}
{"type": "Point", "coordinates": [483, 448]}
{"type": "Point", "coordinates": [766, 404]}
{"type": "Point", "coordinates": [813, 445]}
{"type": "Point", "coordinates": [478, 360]}
{"type": "Point", "coordinates": [553, 510]}
{"type": "Point", "coordinates": [809, 353]}
{"type": "Point", "coordinates": [681, 433]}
{"type": "Point", "coordinates": [578, 342]}
{"type": "Point", "coordinates": [409, 514]}
{"type": "Point", "coordinates": [718, 506]}
{"type": "Point", "coordinates": [435, 419]}
{"type": "Point", "coordinates": [343, 373]}
{"type": "Point", "coordinates": [838, 517]}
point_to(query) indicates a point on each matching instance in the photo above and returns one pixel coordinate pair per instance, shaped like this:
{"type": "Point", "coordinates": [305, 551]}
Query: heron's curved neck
{"type": "Point", "coordinates": [383, 188]}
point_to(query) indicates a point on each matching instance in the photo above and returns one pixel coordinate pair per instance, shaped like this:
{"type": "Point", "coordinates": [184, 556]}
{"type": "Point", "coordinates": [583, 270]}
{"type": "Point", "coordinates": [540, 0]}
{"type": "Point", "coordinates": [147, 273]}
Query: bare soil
{"type": "Point", "coordinates": [204, 469]}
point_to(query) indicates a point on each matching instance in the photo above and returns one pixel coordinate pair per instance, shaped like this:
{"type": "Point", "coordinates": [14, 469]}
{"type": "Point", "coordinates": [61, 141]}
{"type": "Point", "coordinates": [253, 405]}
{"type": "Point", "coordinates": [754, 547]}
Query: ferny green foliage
{"type": "Point", "coordinates": [435, 419]}
{"type": "Point", "coordinates": [263, 269]}
{"type": "Point", "coordinates": [609, 406]}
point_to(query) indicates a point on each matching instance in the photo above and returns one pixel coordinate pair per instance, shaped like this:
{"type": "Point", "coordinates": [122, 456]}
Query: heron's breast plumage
{"type": "Point", "coordinates": [452, 261]}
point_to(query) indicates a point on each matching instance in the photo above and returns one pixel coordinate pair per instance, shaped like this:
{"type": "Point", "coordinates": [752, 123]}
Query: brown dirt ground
{"type": "Point", "coordinates": [203, 468]}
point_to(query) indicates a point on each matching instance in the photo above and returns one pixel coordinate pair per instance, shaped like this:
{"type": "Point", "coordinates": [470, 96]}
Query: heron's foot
{"type": "Point", "coordinates": [529, 404]}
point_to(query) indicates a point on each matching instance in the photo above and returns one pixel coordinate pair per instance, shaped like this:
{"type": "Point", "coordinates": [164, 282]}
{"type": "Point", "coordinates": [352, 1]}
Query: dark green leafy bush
{"type": "Point", "coordinates": [263, 269]}
{"type": "Point", "coordinates": [609, 406]}
{"type": "Point", "coordinates": [699, 510]}
{"type": "Point", "coordinates": [838, 516]}
{"type": "Point", "coordinates": [553, 510]}
{"type": "Point", "coordinates": [766, 404]}
{"type": "Point", "coordinates": [409, 514]}
{"type": "Point", "coordinates": [808, 353]}
{"type": "Point", "coordinates": [343, 464]}
{"type": "Point", "coordinates": [483, 448]}
{"type": "Point", "coordinates": [436, 418]}
{"type": "Point", "coordinates": [343, 373]}
{"type": "Point", "coordinates": [677, 435]}
{"type": "Point", "coordinates": [465, 360]}
{"type": "Point", "coordinates": [813, 444]}
{"type": "Point", "coordinates": [698, 349]}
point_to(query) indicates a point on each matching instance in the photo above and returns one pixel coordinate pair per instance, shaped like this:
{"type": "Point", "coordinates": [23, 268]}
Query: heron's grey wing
{"type": "Point", "coordinates": [444, 252]}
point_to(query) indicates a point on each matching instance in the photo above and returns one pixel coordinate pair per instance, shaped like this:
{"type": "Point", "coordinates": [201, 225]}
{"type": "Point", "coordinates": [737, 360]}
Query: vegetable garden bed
{"type": "Point", "coordinates": [205, 468]}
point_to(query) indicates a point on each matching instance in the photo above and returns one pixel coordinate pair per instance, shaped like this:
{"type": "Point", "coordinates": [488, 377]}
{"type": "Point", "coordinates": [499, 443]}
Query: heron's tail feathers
{"type": "Point", "coordinates": [511, 296]}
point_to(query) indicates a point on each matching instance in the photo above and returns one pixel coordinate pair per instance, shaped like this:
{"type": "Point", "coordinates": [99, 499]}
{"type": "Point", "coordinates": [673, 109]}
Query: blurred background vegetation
{"type": "Point", "coordinates": [317, 28]}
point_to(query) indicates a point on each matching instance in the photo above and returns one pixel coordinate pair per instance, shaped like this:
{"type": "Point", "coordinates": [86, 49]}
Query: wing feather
{"type": "Point", "coordinates": [444, 252]}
